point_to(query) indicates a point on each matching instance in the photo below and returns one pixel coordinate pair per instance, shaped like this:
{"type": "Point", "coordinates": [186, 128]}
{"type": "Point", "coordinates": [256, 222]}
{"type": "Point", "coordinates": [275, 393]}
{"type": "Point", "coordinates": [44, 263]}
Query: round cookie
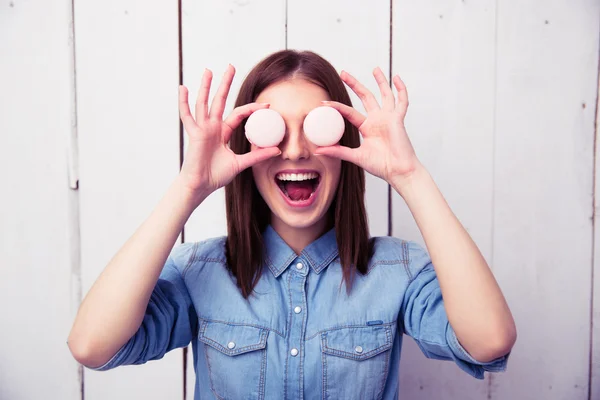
{"type": "Point", "coordinates": [265, 128]}
{"type": "Point", "coordinates": [324, 126]}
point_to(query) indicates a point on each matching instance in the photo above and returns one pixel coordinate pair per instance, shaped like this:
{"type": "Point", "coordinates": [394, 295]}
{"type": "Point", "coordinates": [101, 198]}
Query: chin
{"type": "Point", "coordinates": [302, 221]}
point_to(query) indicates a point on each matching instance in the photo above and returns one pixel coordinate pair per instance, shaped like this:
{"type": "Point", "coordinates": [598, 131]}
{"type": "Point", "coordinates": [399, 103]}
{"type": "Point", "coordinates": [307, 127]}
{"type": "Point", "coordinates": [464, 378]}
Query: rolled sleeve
{"type": "Point", "coordinates": [425, 319]}
{"type": "Point", "coordinates": [169, 321]}
{"type": "Point", "coordinates": [469, 364]}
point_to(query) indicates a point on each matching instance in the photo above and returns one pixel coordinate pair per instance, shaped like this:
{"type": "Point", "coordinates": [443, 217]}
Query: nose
{"type": "Point", "coordinates": [294, 146]}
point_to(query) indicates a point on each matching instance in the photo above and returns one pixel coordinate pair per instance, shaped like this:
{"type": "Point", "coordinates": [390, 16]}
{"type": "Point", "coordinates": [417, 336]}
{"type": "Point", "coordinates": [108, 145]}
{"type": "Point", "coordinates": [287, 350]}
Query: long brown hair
{"type": "Point", "coordinates": [247, 213]}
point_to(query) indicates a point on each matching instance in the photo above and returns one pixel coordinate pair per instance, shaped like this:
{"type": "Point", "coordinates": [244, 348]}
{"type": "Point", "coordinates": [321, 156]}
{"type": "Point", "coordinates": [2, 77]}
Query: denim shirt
{"type": "Point", "coordinates": [300, 334]}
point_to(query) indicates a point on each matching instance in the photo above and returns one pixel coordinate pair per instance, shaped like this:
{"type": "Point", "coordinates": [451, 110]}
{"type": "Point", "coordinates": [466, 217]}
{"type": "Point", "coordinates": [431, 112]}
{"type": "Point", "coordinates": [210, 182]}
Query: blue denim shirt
{"type": "Point", "coordinates": [299, 335]}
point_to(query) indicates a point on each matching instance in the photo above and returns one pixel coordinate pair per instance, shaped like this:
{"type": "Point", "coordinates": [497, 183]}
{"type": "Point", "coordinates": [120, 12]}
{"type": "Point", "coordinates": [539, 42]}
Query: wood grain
{"type": "Point", "coordinates": [38, 237]}
{"type": "Point", "coordinates": [127, 80]}
{"type": "Point", "coordinates": [445, 54]}
{"type": "Point", "coordinates": [547, 66]}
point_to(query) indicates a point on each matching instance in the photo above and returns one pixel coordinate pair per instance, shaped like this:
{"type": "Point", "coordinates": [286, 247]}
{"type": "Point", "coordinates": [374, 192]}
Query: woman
{"type": "Point", "coordinates": [297, 301]}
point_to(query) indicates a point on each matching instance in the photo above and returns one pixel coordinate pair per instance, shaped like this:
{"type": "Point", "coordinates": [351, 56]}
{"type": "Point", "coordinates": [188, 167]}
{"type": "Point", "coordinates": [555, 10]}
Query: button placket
{"type": "Point", "coordinates": [299, 270]}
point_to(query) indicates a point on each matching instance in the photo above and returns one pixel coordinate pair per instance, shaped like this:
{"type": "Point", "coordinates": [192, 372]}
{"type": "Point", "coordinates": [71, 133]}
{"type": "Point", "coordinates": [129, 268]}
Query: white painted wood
{"type": "Point", "coordinates": [444, 51]}
{"type": "Point", "coordinates": [127, 79]}
{"type": "Point", "coordinates": [216, 33]}
{"type": "Point", "coordinates": [547, 66]}
{"type": "Point", "coordinates": [355, 38]}
{"type": "Point", "coordinates": [595, 356]}
{"type": "Point", "coordinates": [38, 208]}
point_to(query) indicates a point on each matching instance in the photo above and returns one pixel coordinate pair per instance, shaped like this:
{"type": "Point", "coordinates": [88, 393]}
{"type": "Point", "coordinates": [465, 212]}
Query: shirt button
{"type": "Point", "coordinates": [298, 309]}
{"type": "Point", "coordinates": [230, 345]}
{"type": "Point", "coordinates": [299, 266]}
{"type": "Point", "coordinates": [358, 349]}
{"type": "Point", "coordinates": [294, 352]}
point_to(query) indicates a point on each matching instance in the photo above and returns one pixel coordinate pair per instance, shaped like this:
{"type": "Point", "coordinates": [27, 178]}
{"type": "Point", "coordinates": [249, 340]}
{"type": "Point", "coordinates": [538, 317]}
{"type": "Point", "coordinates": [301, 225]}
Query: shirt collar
{"type": "Point", "coordinates": [319, 254]}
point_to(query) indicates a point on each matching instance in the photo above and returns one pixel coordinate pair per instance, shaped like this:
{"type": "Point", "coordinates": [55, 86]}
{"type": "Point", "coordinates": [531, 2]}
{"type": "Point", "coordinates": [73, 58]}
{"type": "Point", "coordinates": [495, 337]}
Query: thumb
{"type": "Point", "coordinates": [256, 156]}
{"type": "Point", "coordinates": [341, 152]}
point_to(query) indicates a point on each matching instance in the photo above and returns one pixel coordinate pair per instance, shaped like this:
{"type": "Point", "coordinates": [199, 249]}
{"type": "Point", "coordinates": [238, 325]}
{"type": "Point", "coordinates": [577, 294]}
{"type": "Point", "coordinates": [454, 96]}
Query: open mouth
{"type": "Point", "coordinates": [298, 187]}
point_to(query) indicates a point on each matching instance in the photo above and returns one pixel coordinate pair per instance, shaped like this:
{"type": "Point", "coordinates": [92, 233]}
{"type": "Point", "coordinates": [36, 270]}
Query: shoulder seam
{"type": "Point", "coordinates": [189, 263]}
{"type": "Point", "coordinates": [196, 256]}
{"type": "Point", "coordinates": [406, 260]}
{"type": "Point", "coordinates": [402, 258]}
{"type": "Point", "coordinates": [382, 262]}
{"type": "Point", "coordinates": [210, 259]}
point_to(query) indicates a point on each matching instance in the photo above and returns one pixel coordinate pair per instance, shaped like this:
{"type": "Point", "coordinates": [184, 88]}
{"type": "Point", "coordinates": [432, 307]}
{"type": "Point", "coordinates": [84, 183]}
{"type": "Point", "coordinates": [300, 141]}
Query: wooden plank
{"type": "Point", "coordinates": [595, 356]}
{"type": "Point", "coordinates": [216, 33]}
{"type": "Point", "coordinates": [594, 389]}
{"type": "Point", "coordinates": [38, 207]}
{"type": "Point", "coordinates": [127, 78]}
{"type": "Point", "coordinates": [445, 53]}
{"type": "Point", "coordinates": [357, 39]}
{"type": "Point", "coordinates": [547, 66]}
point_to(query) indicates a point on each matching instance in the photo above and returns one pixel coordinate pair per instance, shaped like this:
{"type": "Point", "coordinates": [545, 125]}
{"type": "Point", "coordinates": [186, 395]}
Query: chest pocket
{"type": "Point", "coordinates": [359, 354]}
{"type": "Point", "coordinates": [236, 359]}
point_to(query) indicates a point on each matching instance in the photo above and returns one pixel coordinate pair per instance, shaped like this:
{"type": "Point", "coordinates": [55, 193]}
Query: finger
{"type": "Point", "coordinates": [203, 93]}
{"type": "Point", "coordinates": [402, 104]}
{"type": "Point", "coordinates": [218, 104]}
{"type": "Point", "coordinates": [238, 115]}
{"type": "Point", "coordinates": [367, 98]}
{"type": "Point", "coordinates": [350, 113]}
{"type": "Point", "coordinates": [341, 152]}
{"type": "Point", "coordinates": [387, 96]}
{"type": "Point", "coordinates": [256, 156]}
{"type": "Point", "coordinates": [184, 109]}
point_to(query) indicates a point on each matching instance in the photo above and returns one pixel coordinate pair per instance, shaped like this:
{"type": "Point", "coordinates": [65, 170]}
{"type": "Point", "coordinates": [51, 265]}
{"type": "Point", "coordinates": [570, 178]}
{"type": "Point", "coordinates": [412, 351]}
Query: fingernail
{"type": "Point", "coordinates": [265, 104]}
{"type": "Point", "coordinates": [325, 101]}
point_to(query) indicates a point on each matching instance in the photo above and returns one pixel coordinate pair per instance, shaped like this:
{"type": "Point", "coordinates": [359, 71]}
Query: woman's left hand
{"type": "Point", "coordinates": [386, 150]}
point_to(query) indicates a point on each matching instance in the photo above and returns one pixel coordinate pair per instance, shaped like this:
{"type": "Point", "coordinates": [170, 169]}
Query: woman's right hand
{"type": "Point", "coordinates": [209, 163]}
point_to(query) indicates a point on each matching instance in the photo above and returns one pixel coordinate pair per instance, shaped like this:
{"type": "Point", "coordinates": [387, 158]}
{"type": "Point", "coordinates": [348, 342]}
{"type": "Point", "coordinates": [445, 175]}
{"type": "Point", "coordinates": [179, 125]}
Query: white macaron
{"type": "Point", "coordinates": [265, 128]}
{"type": "Point", "coordinates": [324, 126]}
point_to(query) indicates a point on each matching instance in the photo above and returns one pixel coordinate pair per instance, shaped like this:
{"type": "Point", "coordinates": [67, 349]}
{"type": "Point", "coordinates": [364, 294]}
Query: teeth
{"type": "Point", "coordinates": [297, 177]}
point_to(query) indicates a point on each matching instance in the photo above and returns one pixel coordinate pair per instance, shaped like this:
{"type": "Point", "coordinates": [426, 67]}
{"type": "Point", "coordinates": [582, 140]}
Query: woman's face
{"type": "Point", "coordinates": [297, 186]}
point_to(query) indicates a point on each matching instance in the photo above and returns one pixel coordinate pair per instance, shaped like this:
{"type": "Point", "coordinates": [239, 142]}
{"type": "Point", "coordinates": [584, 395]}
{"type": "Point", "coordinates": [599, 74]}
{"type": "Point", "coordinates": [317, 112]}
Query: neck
{"type": "Point", "coordinates": [299, 238]}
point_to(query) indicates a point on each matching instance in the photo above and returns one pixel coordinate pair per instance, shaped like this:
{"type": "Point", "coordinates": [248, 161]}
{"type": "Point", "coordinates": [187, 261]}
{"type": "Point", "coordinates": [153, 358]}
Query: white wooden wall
{"type": "Point", "coordinates": [503, 112]}
{"type": "Point", "coordinates": [39, 268]}
{"type": "Point", "coordinates": [127, 61]}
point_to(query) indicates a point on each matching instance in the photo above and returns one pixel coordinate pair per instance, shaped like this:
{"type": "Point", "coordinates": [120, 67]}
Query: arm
{"type": "Point", "coordinates": [423, 316]}
{"type": "Point", "coordinates": [114, 308]}
{"type": "Point", "coordinates": [473, 301]}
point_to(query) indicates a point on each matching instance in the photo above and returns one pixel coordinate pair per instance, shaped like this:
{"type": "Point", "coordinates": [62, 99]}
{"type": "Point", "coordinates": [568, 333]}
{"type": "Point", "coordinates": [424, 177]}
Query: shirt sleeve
{"type": "Point", "coordinates": [426, 321]}
{"type": "Point", "coordinates": [170, 318]}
